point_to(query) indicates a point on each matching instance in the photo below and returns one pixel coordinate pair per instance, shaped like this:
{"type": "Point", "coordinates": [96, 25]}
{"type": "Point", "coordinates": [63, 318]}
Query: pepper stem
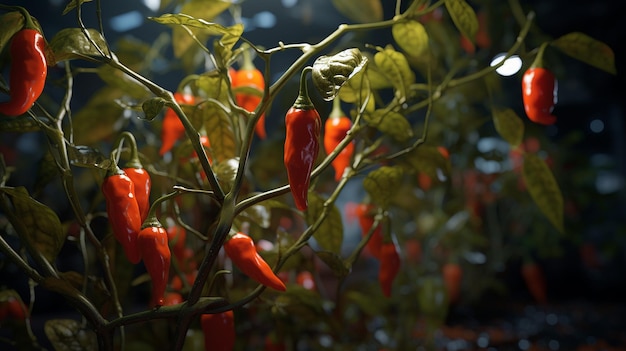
{"type": "Point", "coordinates": [303, 101]}
{"type": "Point", "coordinates": [28, 19]}
{"type": "Point", "coordinates": [247, 63]}
{"type": "Point", "coordinates": [151, 219]}
{"type": "Point", "coordinates": [133, 160]}
{"type": "Point", "coordinates": [538, 62]}
{"type": "Point", "coordinates": [336, 112]}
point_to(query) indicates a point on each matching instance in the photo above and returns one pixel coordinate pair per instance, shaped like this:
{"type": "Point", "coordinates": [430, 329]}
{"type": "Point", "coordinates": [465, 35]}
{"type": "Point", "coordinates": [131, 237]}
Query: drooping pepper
{"type": "Point", "coordinates": [123, 210]}
{"type": "Point", "coordinates": [242, 251]}
{"type": "Point", "coordinates": [140, 177]}
{"type": "Point", "coordinates": [389, 266]}
{"type": "Point", "coordinates": [219, 331]}
{"type": "Point", "coordinates": [539, 91]}
{"type": "Point", "coordinates": [302, 140]}
{"type": "Point", "coordinates": [535, 280]}
{"type": "Point", "coordinates": [29, 68]}
{"type": "Point", "coordinates": [172, 128]}
{"type": "Point", "coordinates": [335, 129]}
{"type": "Point", "coordinates": [248, 76]}
{"type": "Point", "coordinates": [155, 252]}
{"type": "Point", "coordinates": [366, 214]}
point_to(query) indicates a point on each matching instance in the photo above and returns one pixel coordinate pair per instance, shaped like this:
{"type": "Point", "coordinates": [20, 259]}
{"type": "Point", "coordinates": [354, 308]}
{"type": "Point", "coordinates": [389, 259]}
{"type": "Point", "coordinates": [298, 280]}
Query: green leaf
{"type": "Point", "coordinates": [357, 89]}
{"type": "Point", "coordinates": [396, 67]}
{"type": "Point", "coordinates": [411, 36]}
{"type": "Point", "coordinates": [331, 72]}
{"type": "Point", "coordinates": [214, 87]}
{"type": "Point", "coordinates": [69, 335]}
{"type": "Point", "coordinates": [224, 47]}
{"type": "Point", "coordinates": [152, 107]}
{"type": "Point", "coordinates": [334, 262]}
{"type": "Point", "coordinates": [464, 17]}
{"type": "Point", "coordinates": [10, 23]}
{"type": "Point", "coordinates": [587, 49]}
{"type": "Point", "coordinates": [43, 230]}
{"type": "Point", "coordinates": [219, 130]}
{"type": "Point", "coordinates": [382, 183]}
{"type": "Point", "coordinates": [71, 43]}
{"type": "Point", "coordinates": [329, 235]}
{"type": "Point", "coordinates": [88, 157]}
{"type": "Point", "coordinates": [118, 79]}
{"type": "Point", "coordinates": [360, 11]}
{"type": "Point", "coordinates": [72, 5]}
{"type": "Point", "coordinates": [97, 119]}
{"type": "Point", "coordinates": [19, 124]}
{"type": "Point", "coordinates": [509, 126]}
{"type": "Point", "coordinates": [427, 159]}
{"type": "Point", "coordinates": [544, 189]}
{"type": "Point", "coordinates": [391, 123]}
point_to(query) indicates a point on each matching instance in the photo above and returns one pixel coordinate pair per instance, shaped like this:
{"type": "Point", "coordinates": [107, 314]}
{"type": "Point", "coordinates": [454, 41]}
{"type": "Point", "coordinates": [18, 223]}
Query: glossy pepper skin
{"type": "Point", "coordinates": [365, 213]}
{"type": "Point", "coordinates": [172, 128]}
{"type": "Point", "coordinates": [219, 331]}
{"type": "Point", "coordinates": [539, 94]}
{"type": "Point", "coordinates": [142, 184]}
{"type": "Point", "coordinates": [302, 139]}
{"type": "Point", "coordinates": [123, 211]}
{"type": "Point", "coordinates": [389, 267]}
{"type": "Point", "coordinates": [335, 130]}
{"type": "Point", "coordinates": [28, 73]}
{"type": "Point", "coordinates": [155, 252]}
{"type": "Point", "coordinates": [242, 251]}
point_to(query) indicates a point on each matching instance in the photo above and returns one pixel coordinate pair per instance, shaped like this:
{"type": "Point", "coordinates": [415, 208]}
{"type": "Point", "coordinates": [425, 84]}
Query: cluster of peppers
{"type": "Point", "coordinates": [29, 68]}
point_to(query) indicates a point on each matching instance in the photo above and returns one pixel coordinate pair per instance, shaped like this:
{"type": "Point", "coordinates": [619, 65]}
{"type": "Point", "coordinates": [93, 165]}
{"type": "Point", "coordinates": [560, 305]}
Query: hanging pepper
{"type": "Point", "coordinates": [155, 252]}
{"type": "Point", "coordinates": [123, 210]}
{"type": "Point", "coordinates": [172, 128]}
{"type": "Point", "coordinates": [389, 266]}
{"type": "Point", "coordinates": [302, 136]}
{"type": "Point", "coordinates": [29, 68]}
{"type": "Point", "coordinates": [335, 130]}
{"type": "Point", "coordinates": [249, 77]}
{"type": "Point", "coordinates": [535, 280]}
{"type": "Point", "coordinates": [539, 91]}
{"type": "Point", "coordinates": [452, 274]}
{"type": "Point", "coordinates": [366, 213]}
{"type": "Point", "coordinates": [242, 251]}
{"type": "Point", "coordinates": [219, 331]}
{"type": "Point", "coordinates": [140, 177]}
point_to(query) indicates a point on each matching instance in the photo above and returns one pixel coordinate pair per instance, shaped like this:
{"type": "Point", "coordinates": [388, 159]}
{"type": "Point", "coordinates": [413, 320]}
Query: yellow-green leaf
{"type": "Point", "coordinates": [219, 130]}
{"type": "Point", "coordinates": [544, 189]}
{"type": "Point", "coordinates": [330, 73]}
{"type": "Point", "coordinates": [10, 23]}
{"type": "Point", "coordinates": [71, 43]}
{"type": "Point", "coordinates": [382, 183]}
{"type": "Point", "coordinates": [97, 119]}
{"type": "Point", "coordinates": [464, 17]}
{"type": "Point", "coordinates": [356, 90]}
{"type": "Point", "coordinates": [329, 235]}
{"type": "Point", "coordinates": [391, 123]}
{"type": "Point", "coordinates": [42, 227]}
{"type": "Point", "coordinates": [360, 11]}
{"type": "Point", "coordinates": [509, 125]}
{"type": "Point", "coordinates": [72, 5]}
{"type": "Point", "coordinates": [587, 49]}
{"type": "Point", "coordinates": [152, 107]}
{"type": "Point", "coordinates": [396, 67]}
{"type": "Point", "coordinates": [411, 36]}
{"type": "Point", "coordinates": [86, 156]}
{"type": "Point", "coordinates": [214, 86]}
{"type": "Point", "coordinates": [70, 335]}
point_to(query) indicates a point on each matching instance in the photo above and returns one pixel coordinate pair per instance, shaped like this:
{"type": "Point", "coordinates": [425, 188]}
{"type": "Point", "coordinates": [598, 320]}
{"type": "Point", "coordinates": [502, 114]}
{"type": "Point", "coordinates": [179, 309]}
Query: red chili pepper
{"type": "Point", "coordinates": [249, 76]}
{"type": "Point", "coordinates": [302, 140]}
{"type": "Point", "coordinates": [535, 281]}
{"type": "Point", "coordinates": [452, 275]}
{"type": "Point", "coordinates": [155, 252]}
{"type": "Point", "coordinates": [365, 213]}
{"type": "Point", "coordinates": [172, 128]}
{"type": "Point", "coordinates": [219, 331]}
{"type": "Point", "coordinates": [29, 69]}
{"type": "Point", "coordinates": [143, 183]}
{"type": "Point", "coordinates": [172, 298]}
{"type": "Point", "coordinates": [335, 130]}
{"type": "Point", "coordinates": [540, 94]}
{"type": "Point", "coordinates": [123, 211]}
{"type": "Point", "coordinates": [13, 309]}
{"type": "Point", "coordinates": [176, 235]}
{"type": "Point", "coordinates": [242, 251]}
{"type": "Point", "coordinates": [389, 266]}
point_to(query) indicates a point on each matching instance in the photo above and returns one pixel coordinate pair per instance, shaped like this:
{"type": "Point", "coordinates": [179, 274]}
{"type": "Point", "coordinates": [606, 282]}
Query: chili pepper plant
{"type": "Point", "coordinates": [262, 161]}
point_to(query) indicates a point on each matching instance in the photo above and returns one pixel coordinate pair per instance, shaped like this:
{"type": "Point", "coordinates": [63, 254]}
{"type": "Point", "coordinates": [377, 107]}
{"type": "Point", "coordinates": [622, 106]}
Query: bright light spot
{"type": "Point", "coordinates": [596, 126]}
{"type": "Point", "coordinates": [487, 166]}
{"type": "Point", "coordinates": [289, 3]}
{"type": "Point", "coordinates": [511, 66]}
{"type": "Point", "coordinates": [264, 19]}
{"type": "Point", "coordinates": [126, 21]}
{"type": "Point", "coordinates": [607, 183]}
{"type": "Point", "coordinates": [153, 5]}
